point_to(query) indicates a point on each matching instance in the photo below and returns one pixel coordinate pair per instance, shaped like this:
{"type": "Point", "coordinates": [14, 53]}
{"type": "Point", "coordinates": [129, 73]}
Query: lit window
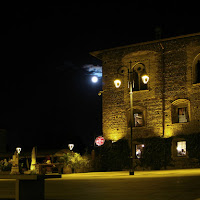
{"type": "Point", "coordinates": [139, 114]}
{"type": "Point", "coordinates": [138, 119]}
{"type": "Point", "coordinates": [139, 150]}
{"type": "Point", "coordinates": [181, 148]}
{"type": "Point", "coordinates": [182, 115]}
{"type": "Point", "coordinates": [180, 111]}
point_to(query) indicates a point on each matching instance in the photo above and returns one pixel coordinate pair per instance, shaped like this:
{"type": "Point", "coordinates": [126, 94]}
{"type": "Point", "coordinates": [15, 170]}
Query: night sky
{"type": "Point", "coordinates": [47, 97]}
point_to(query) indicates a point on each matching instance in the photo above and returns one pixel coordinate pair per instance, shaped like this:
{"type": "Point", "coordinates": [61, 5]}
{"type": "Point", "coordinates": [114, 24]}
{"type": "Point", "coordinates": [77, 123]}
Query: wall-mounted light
{"type": "Point", "coordinates": [145, 78]}
{"type": "Point", "coordinates": [117, 83]}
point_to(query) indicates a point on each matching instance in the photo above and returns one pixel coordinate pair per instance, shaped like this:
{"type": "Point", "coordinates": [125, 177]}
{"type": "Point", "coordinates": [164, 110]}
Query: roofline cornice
{"type": "Point", "coordinates": [97, 53]}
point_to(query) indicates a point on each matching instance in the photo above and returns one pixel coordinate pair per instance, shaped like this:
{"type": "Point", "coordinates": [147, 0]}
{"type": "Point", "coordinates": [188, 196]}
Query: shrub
{"type": "Point", "coordinates": [75, 160]}
{"type": "Point", "coordinates": [5, 166]}
{"type": "Point", "coordinates": [157, 153]}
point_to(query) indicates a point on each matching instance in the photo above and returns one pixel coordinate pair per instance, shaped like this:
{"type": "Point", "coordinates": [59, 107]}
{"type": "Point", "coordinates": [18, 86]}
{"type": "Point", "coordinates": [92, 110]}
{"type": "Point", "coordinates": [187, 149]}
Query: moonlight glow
{"type": "Point", "coordinates": [94, 79]}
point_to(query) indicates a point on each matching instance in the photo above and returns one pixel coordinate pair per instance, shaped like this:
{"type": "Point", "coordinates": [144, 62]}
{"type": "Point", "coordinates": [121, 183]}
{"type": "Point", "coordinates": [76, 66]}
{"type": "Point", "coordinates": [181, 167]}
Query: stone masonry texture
{"type": "Point", "coordinates": [170, 65]}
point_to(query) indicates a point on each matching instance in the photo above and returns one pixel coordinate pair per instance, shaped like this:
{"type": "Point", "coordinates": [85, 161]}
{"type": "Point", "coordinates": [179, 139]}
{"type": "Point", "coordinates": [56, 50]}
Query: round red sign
{"type": "Point", "coordinates": [99, 141]}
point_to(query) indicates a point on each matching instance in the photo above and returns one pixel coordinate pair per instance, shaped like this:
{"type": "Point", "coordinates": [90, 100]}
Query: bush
{"type": "Point", "coordinates": [157, 153]}
{"type": "Point", "coordinates": [112, 156]}
{"type": "Point", "coordinates": [75, 160]}
{"type": "Point", "coordinates": [5, 166]}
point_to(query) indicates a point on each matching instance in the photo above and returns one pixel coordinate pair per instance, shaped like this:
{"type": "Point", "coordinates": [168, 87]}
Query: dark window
{"type": "Point", "coordinates": [196, 75]}
{"type": "Point", "coordinates": [198, 72]}
{"type": "Point", "coordinates": [138, 83]}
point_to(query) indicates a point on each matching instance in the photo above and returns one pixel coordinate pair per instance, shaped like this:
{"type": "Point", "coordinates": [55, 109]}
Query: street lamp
{"type": "Point", "coordinates": [71, 146]}
{"type": "Point", "coordinates": [18, 149]}
{"type": "Point", "coordinates": [140, 69]}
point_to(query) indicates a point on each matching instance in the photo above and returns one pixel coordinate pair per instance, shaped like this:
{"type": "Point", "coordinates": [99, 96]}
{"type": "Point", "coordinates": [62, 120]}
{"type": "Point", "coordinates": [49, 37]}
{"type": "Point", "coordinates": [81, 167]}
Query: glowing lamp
{"type": "Point", "coordinates": [71, 146]}
{"type": "Point", "coordinates": [18, 149]}
{"type": "Point", "coordinates": [117, 83]}
{"type": "Point", "coordinates": [145, 79]}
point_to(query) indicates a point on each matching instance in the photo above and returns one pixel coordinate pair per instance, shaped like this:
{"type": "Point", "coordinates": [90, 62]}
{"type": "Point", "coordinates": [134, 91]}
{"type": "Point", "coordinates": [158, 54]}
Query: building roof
{"type": "Point", "coordinates": [97, 53]}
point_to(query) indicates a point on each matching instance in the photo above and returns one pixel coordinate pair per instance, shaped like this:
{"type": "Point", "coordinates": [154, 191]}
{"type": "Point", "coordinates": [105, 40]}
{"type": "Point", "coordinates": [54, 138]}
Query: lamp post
{"type": "Point", "coordinates": [145, 78]}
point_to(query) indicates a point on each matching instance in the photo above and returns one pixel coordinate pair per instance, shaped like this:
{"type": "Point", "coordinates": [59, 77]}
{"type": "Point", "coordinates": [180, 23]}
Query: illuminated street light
{"type": "Point", "coordinates": [71, 146]}
{"type": "Point", "coordinates": [140, 69]}
{"type": "Point", "coordinates": [18, 149]}
{"type": "Point", "coordinates": [94, 79]}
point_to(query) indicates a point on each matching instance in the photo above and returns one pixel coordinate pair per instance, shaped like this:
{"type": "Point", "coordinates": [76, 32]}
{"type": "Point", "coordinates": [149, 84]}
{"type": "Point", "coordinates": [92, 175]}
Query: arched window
{"type": "Point", "coordinates": [196, 69]}
{"type": "Point", "coordinates": [138, 83]}
{"type": "Point", "coordinates": [197, 66]}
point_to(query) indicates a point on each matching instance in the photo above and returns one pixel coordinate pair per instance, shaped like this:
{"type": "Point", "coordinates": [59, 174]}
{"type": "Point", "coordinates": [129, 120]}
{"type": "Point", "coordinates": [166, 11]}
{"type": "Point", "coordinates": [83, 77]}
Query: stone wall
{"type": "Point", "coordinates": [170, 66]}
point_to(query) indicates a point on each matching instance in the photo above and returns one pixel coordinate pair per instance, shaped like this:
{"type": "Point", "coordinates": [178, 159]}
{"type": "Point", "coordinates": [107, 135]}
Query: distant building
{"type": "Point", "coordinates": [168, 107]}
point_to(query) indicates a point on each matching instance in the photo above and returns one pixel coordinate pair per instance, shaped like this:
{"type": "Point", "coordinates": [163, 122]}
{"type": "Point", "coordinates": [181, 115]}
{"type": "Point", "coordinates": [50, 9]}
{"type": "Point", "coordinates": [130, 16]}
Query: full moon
{"type": "Point", "coordinates": [94, 79]}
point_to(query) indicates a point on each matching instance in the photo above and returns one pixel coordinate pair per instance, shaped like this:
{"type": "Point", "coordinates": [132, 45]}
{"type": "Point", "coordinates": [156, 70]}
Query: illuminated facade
{"type": "Point", "coordinates": [169, 105]}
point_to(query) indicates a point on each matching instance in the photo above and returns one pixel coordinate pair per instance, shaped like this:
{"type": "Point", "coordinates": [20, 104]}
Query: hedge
{"type": "Point", "coordinates": [156, 155]}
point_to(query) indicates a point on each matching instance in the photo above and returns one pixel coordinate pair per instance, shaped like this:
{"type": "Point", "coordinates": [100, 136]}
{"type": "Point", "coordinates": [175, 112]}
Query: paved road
{"type": "Point", "coordinates": [154, 185]}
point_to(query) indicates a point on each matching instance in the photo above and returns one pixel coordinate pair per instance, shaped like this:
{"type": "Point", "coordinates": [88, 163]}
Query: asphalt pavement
{"type": "Point", "coordinates": [144, 185]}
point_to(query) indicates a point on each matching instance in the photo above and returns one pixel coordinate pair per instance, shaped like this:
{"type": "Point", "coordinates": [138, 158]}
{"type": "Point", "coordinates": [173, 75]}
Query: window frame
{"type": "Point", "coordinates": [141, 149]}
{"type": "Point", "coordinates": [174, 154]}
{"type": "Point", "coordinates": [180, 104]}
{"type": "Point", "coordinates": [138, 83]}
{"type": "Point", "coordinates": [185, 114]}
{"type": "Point", "coordinates": [137, 110]}
{"type": "Point", "coordinates": [178, 151]}
{"type": "Point", "coordinates": [137, 118]}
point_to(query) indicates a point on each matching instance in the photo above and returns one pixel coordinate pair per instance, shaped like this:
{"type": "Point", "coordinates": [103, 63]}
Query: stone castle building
{"type": "Point", "coordinates": [168, 106]}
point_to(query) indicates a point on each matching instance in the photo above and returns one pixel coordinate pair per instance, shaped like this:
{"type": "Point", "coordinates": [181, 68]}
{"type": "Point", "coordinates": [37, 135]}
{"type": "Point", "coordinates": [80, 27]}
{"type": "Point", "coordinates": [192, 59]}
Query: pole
{"type": "Point", "coordinates": [131, 172]}
{"type": "Point", "coordinates": [163, 90]}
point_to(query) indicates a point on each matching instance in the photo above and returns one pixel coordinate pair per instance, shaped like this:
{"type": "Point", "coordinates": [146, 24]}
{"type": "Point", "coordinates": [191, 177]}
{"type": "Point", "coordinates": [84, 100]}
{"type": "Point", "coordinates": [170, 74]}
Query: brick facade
{"type": "Point", "coordinates": [170, 64]}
